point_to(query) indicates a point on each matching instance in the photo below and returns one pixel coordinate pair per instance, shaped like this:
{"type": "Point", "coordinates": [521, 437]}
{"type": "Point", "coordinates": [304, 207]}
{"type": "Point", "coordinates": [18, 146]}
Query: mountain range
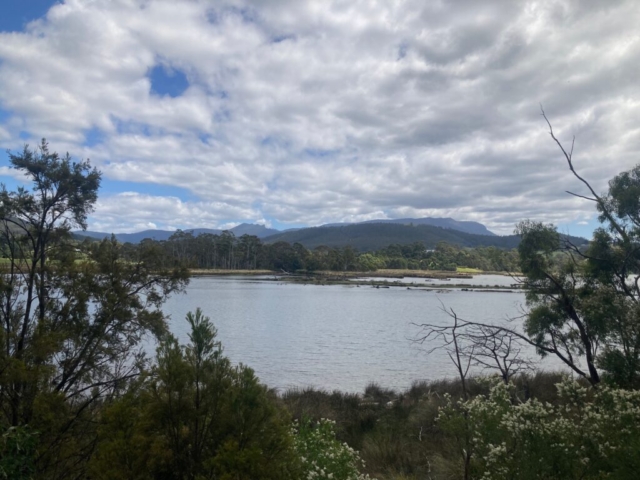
{"type": "Point", "coordinates": [259, 231]}
{"type": "Point", "coordinates": [461, 226]}
{"type": "Point", "coordinates": [364, 236]}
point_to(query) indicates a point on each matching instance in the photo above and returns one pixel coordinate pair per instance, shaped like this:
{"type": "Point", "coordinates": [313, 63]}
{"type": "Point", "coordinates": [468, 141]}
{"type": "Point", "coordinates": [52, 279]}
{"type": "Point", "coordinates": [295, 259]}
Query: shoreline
{"type": "Point", "coordinates": [378, 279]}
{"type": "Point", "coordinates": [386, 273]}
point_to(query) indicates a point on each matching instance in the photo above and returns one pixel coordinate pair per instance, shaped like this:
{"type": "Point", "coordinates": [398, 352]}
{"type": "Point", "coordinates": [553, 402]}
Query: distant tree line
{"type": "Point", "coordinates": [248, 252]}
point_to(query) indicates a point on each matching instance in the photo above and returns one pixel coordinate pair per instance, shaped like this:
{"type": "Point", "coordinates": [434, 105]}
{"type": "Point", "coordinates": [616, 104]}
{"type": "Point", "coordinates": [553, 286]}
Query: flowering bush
{"type": "Point", "coordinates": [587, 434]}
{"type": "Point", "coordinates": [322, 456]}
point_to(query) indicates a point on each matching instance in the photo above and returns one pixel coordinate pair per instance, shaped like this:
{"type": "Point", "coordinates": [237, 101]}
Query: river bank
{"type": "Point", "coordinates": [427, 280]}
{"type": "Point", "coordinates": [389, 273]}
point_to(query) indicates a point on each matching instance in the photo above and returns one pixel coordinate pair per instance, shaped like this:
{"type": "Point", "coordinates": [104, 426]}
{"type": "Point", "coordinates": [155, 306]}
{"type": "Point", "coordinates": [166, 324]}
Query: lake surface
{"type": "Point", "coordinates": [332, 337]}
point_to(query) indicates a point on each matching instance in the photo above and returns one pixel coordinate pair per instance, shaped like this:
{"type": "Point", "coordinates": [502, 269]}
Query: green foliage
{"type": "Point", "coordinates": [17, 453]}
{"type": "Point", "coordinates": [63, 192]}
{"type": "Point", "coordinates": [623, 200]}
{"type": "Point", "coordinates": [537, 247]}
{"type": "Point", "coordinates": [396, 433]}
{"type": "Point", "coordinates": [322, 456]}
{"type": "Point", "coordinates": [584, 301]}
{"type": "Point", "coordinates": [368, 262]}
{"type": "Point", "coordinates": [225, 251]}
{"type": "Point", "coordinates": [584, 435]}
{"type": "Point", "coordinates": [196, 416]}
{"type": "Point", "coordinates": [71, 316]}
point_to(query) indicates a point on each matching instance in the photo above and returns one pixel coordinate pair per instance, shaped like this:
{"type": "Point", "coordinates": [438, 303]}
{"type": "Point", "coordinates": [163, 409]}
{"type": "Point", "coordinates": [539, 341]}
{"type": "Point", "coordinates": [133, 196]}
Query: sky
{"type": "Point", "coordinates": [289, 113]}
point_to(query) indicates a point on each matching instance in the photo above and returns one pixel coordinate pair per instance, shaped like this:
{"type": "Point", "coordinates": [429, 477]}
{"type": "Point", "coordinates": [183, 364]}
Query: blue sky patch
{"type": "Point", "coordinates": [129, 127]}
{"type": "Point", "coordinates": [4, 158]}
{"type": "Point", "coordinates": [112, 187]}
{"type": "Point", "coordinates": [93, 137]}
{"type": "Point", "coordinates": [168, 81]}
{"type": "Point", "coordinates": [17, 13]}
{"type": "Point", "coordinates": [580, 229]}
{"type": "Point", "coordinates": [4, 115]}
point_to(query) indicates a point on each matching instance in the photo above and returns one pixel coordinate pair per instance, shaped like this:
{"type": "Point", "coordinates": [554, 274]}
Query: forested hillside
{"type": "Point", "coordinates": [374, 236]}
{"type": "Point", "coordinates": [228, 252]}
{"type": "Point", "coordinates": [462, 226]}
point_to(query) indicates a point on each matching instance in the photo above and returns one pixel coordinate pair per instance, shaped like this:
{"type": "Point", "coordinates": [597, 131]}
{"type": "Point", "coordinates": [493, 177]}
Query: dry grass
{"type": "Point", "coordinates": [393, 273]}
{"type": "Point", "coordinates": [201, 271]}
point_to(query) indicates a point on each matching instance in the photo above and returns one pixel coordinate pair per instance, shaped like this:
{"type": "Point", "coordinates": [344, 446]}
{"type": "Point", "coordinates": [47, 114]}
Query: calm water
{"type": "Point", "coordinates": [332, 337]}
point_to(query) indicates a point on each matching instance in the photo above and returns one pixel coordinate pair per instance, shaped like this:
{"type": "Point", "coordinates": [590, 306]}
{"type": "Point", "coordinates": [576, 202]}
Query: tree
{"type": "Point", "coordinates": [72, 315]}
{"type": "Point", "coordinates": [584, 303]}
{"type": "Point", "coordinates": [196, 416]}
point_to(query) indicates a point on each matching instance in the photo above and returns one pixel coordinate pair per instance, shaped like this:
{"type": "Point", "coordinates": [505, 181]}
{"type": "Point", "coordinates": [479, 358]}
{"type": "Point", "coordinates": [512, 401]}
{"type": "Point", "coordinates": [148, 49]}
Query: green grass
{"type": "Point", "coordinates": [468, 270]}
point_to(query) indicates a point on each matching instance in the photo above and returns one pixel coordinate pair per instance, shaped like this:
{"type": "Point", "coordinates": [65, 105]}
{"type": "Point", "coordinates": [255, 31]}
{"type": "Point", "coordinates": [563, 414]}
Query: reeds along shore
{"type": "Point", "coordinates": [396, 432]}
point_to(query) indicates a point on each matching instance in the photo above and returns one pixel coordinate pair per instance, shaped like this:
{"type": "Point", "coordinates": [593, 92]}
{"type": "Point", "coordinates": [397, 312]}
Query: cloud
{"type": "Point", "coordinates": [15, 174]}
{"type": "Point", "coordinates": [131, 211]}
{"type": "Point", "coordinates": [325, 111]}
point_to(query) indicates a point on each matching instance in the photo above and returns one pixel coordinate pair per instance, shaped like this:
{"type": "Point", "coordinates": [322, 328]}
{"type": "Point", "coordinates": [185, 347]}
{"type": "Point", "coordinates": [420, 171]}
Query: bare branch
{"type": "Point", "coordinates": [581, 196]}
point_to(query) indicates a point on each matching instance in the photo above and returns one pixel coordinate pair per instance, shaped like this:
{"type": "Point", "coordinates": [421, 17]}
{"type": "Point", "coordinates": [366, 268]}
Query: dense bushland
{"type": "Point", "coordinates": [225, 251]}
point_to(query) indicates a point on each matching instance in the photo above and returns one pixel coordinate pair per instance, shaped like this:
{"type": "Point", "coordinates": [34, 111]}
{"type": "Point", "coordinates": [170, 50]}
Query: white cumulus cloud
{"type": "Point", "coordinates": [326, 111]}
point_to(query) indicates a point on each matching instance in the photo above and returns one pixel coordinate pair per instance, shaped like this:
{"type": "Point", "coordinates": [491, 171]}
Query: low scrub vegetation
{"type": "Point", "coordinates": [544, 425]}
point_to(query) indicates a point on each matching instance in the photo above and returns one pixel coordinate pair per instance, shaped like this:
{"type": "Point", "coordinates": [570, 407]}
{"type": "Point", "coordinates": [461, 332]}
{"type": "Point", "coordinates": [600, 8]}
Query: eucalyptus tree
{"type": "Point", "coordinates": [584, 302]}
{"type": "Point", "coordinates": [72, 315]}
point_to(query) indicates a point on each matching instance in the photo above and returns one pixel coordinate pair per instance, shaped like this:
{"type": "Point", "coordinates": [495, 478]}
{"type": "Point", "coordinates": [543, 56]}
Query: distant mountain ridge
{"type": "Point", "coordinates": [461, 226]}
{"type": "Point", "coordinates": [364, 236]}
{"type": "Point", "coordinates": [374, 236]}
{"type": "Point", "coordinates": [259, 231]}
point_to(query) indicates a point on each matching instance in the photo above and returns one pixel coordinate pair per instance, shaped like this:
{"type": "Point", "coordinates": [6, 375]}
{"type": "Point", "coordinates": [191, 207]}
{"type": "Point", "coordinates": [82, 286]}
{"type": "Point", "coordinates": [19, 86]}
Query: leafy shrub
{"type": "Point", "coordinates": [588, 434]}
{"type": "Point", "coordinates": [195, 416]}
{"type": "Point", "coordinates": [17, 451]}
{"type": "Point", "coordinates": [322, 456]}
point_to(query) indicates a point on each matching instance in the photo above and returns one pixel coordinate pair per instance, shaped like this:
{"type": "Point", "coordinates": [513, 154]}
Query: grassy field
{"type": "Point", "coordinates": [468, 270]}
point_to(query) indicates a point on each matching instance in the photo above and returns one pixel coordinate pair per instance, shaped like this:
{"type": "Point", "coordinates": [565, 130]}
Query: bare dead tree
{"type": "Point", "coordinates": [450, 338]}
{"type": "Point", "coordinates": [453, 339]}
{"type": "Point", "coordinates": [471, 344]}
{"type": "Point", "coordinates": [497, 350]}
{"type": "Point", "coordinates": [558, 346]}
